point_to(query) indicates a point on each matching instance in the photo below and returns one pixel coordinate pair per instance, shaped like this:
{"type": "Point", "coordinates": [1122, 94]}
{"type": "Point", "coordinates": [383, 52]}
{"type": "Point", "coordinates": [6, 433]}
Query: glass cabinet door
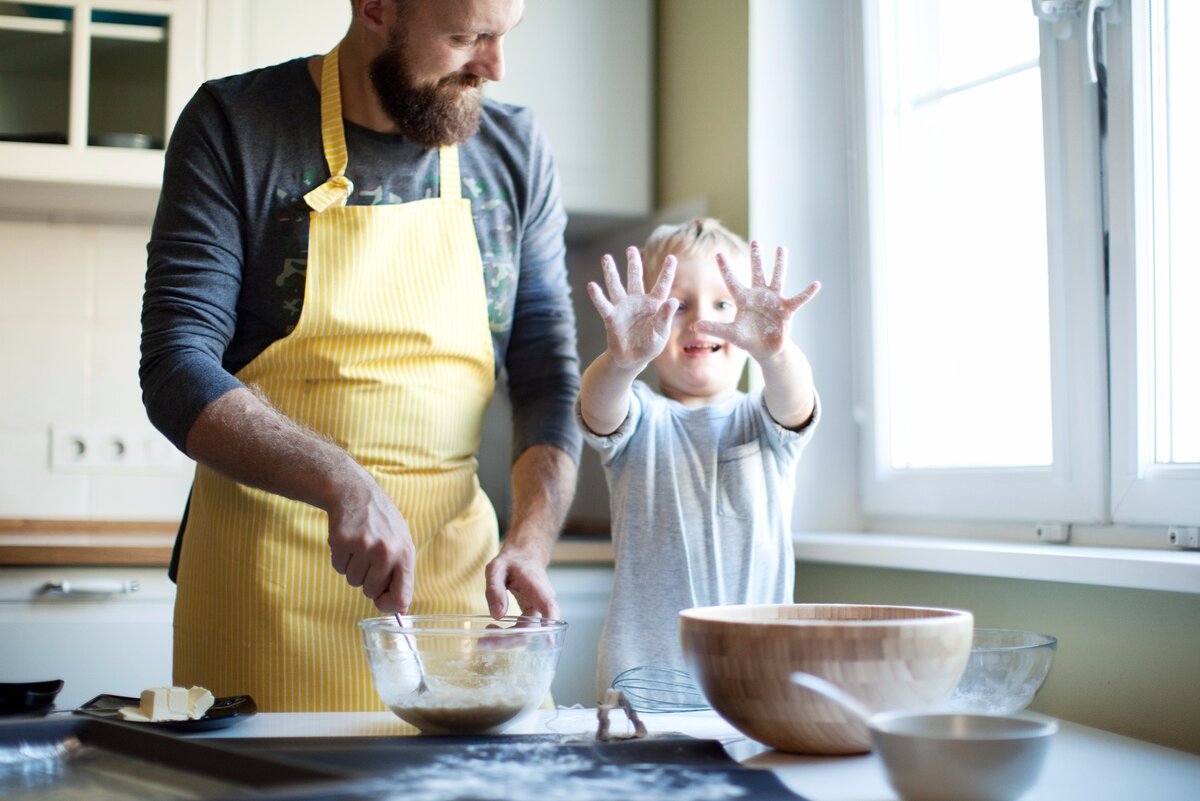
{"type": "Point", "coordinates": [35, 73]}
{"type": "Point", "coordinates": [85, 74]}
{"type": "Point", "coordinates": [127, 77]}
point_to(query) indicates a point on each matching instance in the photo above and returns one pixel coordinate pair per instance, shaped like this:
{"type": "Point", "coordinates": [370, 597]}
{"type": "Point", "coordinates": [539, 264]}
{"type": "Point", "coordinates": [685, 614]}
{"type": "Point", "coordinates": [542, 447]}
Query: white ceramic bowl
{"type": "Point", "coordinates": [958, 757]}
{"type": "Point", "coordinates": [480, 675]}
{"type": "Point", "coordinates": [1006, 669]}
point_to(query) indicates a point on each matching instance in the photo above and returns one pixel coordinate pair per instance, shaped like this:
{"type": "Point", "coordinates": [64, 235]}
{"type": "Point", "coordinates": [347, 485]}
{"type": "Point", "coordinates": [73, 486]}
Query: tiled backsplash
{"type": "Point", "coordinates": [70, 307]}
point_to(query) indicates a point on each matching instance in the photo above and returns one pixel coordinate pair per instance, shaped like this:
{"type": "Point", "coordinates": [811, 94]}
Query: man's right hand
{"type": "Point", "coordinates": [370, 544]}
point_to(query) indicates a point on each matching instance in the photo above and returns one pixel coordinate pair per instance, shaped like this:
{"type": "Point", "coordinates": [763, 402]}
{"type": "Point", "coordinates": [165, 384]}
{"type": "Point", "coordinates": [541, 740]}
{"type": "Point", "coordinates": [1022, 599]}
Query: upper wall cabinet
{"type": "Point", "coordinates": [586, 68]}
{"type": "Point", "coordinates": [247, 34]}
{"type": "Point", "coordinates": [88, 93]}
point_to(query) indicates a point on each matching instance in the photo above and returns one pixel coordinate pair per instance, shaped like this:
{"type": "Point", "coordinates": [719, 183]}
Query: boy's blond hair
{"type": "Point", "coordinates": [700, 236]}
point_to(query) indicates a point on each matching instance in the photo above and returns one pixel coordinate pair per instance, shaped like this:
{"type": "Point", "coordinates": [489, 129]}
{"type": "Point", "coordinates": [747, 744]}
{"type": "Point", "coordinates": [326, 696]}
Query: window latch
{"type": "Point", "coordinates": [1062, 14]}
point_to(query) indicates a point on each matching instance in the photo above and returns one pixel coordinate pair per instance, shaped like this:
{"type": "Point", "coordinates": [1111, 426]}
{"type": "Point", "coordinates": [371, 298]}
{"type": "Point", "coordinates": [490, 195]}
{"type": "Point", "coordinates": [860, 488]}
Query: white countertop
{"type": "Point", "coordinates": [1083, 763]}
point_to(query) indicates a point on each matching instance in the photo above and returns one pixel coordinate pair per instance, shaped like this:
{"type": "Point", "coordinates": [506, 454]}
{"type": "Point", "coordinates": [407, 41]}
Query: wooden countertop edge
{"type": "Point", "coordinates": [148, 543]}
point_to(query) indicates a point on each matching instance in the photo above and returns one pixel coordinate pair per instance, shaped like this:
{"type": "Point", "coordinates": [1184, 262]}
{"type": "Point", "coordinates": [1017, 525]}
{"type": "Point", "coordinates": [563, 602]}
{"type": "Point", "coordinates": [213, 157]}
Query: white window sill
{"type": "Point", "coordinates": [1134, 568]}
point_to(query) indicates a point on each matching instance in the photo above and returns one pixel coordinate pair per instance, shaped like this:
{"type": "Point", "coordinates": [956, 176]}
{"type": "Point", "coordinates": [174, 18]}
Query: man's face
{"type": "Point", "coordinates": [439, 54]}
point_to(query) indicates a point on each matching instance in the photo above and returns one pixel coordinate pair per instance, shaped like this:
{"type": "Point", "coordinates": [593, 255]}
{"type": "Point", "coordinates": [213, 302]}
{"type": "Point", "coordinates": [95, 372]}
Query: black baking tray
{"type": "Point", "coordinates": [77, 757]}
{"type": "Point", "coordinates": [661, 767]}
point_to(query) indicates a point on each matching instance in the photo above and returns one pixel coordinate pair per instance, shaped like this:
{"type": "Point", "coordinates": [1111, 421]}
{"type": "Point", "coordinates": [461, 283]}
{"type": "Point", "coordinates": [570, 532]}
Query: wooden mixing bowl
{"type": "Point", "coordinates": [889, 657]}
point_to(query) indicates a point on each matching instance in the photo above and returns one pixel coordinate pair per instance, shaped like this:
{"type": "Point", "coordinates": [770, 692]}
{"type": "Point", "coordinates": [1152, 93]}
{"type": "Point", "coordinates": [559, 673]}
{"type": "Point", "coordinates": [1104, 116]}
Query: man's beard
{"type": "Point", "coordinates": [443, 114]}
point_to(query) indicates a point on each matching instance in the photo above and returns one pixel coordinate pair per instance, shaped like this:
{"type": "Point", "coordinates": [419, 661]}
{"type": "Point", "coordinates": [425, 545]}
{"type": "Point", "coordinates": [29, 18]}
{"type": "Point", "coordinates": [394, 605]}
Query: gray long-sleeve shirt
{"type": "Point", "coordinates": [701, 503]}
{"type": "Point", "coordinates": [229, 244]}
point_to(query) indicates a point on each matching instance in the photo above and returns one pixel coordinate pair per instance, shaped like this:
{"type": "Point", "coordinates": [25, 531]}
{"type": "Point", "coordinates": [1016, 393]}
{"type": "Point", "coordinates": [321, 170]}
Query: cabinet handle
{"type": "Point", "coordinates": [91, 587]}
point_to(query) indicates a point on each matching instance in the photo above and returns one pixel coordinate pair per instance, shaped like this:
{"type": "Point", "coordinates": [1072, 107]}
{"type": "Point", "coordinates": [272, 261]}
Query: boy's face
{"type": "Point", "coordinates": [697, 369]}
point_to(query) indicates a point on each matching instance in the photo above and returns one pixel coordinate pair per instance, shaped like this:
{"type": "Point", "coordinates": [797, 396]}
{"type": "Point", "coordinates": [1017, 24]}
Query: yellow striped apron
{"type": "Point", "coordinates": [392, 359]}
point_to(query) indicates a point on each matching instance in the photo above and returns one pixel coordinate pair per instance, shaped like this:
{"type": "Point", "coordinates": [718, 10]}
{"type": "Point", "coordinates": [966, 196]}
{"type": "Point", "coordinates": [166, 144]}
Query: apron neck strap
{"type": "Point", "coordinates": [337, 189]}
{"type": "Point", "coordinates": [450, 180]}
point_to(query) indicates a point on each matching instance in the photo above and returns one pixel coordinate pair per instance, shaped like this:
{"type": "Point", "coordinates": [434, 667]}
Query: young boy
{"type": "Point", "coordinates": [701, 476]}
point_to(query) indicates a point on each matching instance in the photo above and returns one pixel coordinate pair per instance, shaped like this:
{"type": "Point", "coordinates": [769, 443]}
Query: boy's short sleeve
{"type": "Point", "coordinates": [610, 447]}
{"type": "Point", "coordinates": [788, 443]}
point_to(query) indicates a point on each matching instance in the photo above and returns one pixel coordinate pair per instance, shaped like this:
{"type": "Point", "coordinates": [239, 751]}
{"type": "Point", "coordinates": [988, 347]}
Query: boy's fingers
{"type": "Point", "coordinates": [780, 270]}
{"type": "Point", "coordinates": [723, 331]}
{"type": "Point", "coordinates": [666, 313]}
{"type": "Point", "coordinates": [612, 279]}
{"type": "Point", "coordinates": [731, 281]}
{"type": "Point", "coordinates": [633, 261]}
{"type": "Point", "coordinates": [598, 300]}
{"type": "Point", "coordinates": [797, 301]}
{"type": "Point", "coordinates": [756, 268]}
{"type": "Point", "coordinates": [666, 277]}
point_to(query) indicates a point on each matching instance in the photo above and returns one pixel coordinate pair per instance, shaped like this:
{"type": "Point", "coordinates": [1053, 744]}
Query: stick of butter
{"type": "Point", "coordinates": [169, 703]}
{"type": "Point", "coordinates": [200, 701]}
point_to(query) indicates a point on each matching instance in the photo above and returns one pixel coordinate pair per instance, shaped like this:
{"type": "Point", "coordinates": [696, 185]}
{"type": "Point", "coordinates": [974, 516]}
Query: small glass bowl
{"type": "Point", "coordinates": [1006, 669]}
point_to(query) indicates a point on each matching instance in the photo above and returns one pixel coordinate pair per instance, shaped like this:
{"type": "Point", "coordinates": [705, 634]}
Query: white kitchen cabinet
{"type": "Point", "coordinates": [247, 34]}
{"type": "Point", "coordinates": [88, 94]}
{"type": "Point", "coordinates": [583, 592]}
{"type": "Point", "coordinates": [585, 67]}
{"type": "Point", "coordinates": [88, 627]}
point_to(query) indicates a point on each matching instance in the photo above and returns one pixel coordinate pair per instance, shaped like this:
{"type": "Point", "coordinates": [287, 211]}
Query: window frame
{"type": "Point", "coordinates": [1074, 488]}
{"type": "Point", "coordinates": [1143, 492]}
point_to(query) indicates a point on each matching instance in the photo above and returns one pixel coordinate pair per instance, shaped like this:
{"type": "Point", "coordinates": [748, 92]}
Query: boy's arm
{"type": "Point", "coordinates": [788, 387]}
{"type": "Point", "coordinates": [636, 326]}
{"type": "Point", "coordinates": [604, 394]}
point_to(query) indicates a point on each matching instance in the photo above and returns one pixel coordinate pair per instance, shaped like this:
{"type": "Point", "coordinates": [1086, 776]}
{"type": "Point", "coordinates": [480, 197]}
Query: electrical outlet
{"type": "Point", "coordinates": [111, 449]}
{"type": "Point", "coordinates": [1184, 536]}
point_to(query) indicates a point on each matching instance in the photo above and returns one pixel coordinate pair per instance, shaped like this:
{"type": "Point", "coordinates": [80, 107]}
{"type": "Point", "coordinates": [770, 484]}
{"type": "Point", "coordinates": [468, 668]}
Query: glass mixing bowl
{"type": "Point", "coordinates": [462, 674]}
{"type": "Point", "coordinates": [1006, 669]}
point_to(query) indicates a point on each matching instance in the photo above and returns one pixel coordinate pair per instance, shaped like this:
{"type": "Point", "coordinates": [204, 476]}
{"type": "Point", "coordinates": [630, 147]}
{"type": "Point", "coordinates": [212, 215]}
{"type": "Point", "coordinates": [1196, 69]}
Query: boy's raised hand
{"type": "Point", "coordinates": [760, 326]}
{"type": "Point", "coordinates": [636, 324]}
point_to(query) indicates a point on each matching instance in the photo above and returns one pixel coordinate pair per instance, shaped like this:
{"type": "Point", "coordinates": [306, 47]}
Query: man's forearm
{"type": "Point", "coordinates": [243, 437]}
{"type": "Point", "coordinates": [543, 484]}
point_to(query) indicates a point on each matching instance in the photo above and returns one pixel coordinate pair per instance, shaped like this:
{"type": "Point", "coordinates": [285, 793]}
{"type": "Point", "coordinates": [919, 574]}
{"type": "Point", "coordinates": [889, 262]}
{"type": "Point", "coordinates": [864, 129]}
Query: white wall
{"type": "Point", "coordinates": [799, 193]}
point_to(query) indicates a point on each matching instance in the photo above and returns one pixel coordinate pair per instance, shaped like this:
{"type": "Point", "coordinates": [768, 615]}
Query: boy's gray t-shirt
{"type": "Point", "coordinates": [701, 501]}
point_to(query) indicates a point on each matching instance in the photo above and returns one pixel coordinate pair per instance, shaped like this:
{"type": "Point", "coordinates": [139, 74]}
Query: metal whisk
{"type": "Point", "coordinates": [660, 689]}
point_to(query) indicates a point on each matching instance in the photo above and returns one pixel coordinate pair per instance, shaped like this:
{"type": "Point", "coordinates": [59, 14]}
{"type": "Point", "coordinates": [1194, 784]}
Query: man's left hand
{"type": "Point", "coordinates": [523, 573]}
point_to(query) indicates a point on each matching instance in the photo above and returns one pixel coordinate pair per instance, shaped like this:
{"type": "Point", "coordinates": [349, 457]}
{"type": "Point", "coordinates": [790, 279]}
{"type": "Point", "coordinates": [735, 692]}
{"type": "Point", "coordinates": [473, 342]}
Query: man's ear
{"type": "Point", "coordinates": [374, 15]}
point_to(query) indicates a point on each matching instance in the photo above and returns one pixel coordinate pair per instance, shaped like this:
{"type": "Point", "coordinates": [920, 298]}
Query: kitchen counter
{"type": "Point", "coordinates": [1083, 763]}
{"type": "Point", "coordinates": [149, 543]}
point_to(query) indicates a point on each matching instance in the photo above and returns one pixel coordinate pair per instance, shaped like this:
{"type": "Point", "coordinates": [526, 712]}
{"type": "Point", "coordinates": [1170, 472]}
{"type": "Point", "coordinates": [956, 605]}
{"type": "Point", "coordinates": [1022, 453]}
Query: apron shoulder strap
{"type": "Point", "coordinates": [337, 189]}
{"type": "Point", "coordinates": [450, 179]}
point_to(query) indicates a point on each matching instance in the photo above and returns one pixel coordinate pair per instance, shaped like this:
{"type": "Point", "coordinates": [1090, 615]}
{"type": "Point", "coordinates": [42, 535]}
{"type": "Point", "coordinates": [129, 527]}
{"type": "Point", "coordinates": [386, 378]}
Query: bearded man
{"type": "Point", "coordinates": [347, 251]}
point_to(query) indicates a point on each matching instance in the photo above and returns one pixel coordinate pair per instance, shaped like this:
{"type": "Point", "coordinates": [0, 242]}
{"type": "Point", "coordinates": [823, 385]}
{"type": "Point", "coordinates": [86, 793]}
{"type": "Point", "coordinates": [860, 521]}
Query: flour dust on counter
{"type": "Point", "coordinates": [666, 767]}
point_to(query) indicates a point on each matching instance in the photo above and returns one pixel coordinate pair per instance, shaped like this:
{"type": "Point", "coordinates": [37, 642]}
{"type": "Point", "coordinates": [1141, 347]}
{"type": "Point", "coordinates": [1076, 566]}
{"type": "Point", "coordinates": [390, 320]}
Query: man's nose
{"type": "Point", "coordinates": [488, 62]}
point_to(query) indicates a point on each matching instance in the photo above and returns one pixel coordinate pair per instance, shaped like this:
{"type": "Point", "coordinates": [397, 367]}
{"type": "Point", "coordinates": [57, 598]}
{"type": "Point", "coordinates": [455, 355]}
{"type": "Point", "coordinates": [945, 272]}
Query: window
{"type": "Point", "coordinates": [1031, 252]}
